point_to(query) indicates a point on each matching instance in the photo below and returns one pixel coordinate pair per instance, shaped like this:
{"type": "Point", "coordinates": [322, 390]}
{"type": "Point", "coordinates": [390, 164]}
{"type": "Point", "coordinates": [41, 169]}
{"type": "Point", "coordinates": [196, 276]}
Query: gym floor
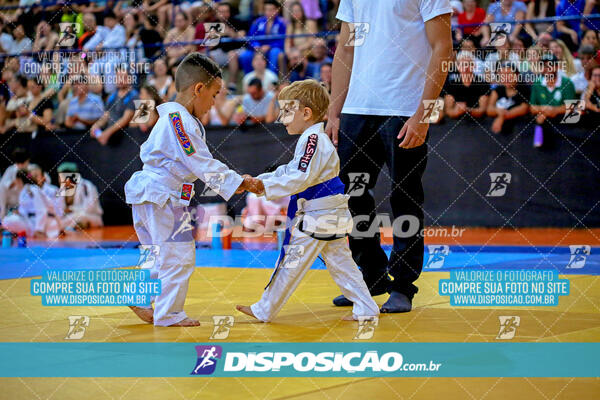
{"type": "Point", "coordinates": [224, 278]}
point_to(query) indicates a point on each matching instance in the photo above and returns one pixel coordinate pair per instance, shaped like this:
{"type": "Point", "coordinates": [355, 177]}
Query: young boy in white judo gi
{"type": "Point", "coordinates": [318, 215]}
{"type": "Point", "coordinates": [36, 214]}
{"type": "Point", "coordinates": [174, 156]}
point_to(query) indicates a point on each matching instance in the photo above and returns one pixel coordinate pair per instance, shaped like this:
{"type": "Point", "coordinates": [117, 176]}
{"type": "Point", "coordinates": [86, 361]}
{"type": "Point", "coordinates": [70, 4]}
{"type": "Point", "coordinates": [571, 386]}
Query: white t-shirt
{"type": "Point", "coordinates": [389, 68]}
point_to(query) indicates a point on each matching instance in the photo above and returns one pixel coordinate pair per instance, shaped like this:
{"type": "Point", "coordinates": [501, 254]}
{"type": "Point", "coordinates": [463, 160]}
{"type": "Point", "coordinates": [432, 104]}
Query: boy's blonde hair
{"type": "Point", "coordinates": [309, 93]}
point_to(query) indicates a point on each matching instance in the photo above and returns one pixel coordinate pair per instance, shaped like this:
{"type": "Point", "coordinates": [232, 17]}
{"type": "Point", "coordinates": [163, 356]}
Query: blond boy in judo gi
{"type": "Point", "coordinates": [174, 156]}
{"type": "Point", "coordinates": [318, 215]}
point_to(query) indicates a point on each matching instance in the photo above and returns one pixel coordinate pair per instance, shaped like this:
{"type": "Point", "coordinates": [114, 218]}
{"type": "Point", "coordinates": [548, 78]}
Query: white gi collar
{"type": "Point", "coordinates": [171, 106]}
{"type": "Point", "coordinates": [318, 127]}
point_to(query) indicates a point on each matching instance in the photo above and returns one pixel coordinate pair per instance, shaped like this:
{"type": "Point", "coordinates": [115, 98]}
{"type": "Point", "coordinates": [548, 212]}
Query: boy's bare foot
{"type": "Point", "coordinates": [246, 310]}
{"type": "Point", "coordinates": [187, 322]}
{"type": "Point", "coordinates": [348, 318]}
{"type": "Point", "coordinates": [145, 314]}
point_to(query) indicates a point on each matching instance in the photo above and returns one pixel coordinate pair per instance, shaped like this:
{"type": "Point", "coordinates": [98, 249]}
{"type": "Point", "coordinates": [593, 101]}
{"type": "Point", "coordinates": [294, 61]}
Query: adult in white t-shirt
{"type": "Point", "coordinates": [390, 59]}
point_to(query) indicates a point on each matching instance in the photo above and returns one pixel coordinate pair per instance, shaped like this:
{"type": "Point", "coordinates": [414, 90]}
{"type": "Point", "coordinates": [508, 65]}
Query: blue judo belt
{"type": "Point", "coordinates": [328, 188]}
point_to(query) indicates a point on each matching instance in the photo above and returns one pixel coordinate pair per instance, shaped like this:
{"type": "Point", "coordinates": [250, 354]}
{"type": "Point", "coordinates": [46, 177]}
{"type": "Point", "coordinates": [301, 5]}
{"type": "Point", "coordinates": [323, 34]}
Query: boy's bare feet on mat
{"type": "Point", "coordinates": [145, 314]}
{"type": "Point", "coordinates": [246, 310]}
{"type": "Point", "coordinates": [187, 322]}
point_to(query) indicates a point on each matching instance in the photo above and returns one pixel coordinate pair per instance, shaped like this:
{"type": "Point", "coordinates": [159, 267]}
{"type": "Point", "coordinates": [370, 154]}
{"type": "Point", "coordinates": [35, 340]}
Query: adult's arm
{"type": "Point", "coordinates": [439, 36]}
{"type": "Point", "coordinates": [340, 81]}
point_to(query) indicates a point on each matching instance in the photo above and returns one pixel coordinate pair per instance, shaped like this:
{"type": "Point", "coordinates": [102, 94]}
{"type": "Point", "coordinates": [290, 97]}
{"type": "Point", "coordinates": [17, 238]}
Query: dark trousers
{"type": "Point", "coordinates": [365, 144]}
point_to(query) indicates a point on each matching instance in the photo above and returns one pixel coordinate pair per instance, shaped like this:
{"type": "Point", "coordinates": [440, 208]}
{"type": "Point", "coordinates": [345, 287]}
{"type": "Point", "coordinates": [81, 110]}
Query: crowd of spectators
{"type": "Point", "coordinates": [83, 67]}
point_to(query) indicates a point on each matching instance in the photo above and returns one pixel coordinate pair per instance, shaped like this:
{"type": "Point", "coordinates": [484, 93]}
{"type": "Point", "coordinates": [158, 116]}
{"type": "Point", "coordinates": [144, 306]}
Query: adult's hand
{"type": "Point", "coordinates": [414, 133]}
{"type": "Point", "coordinates": [332, 128]}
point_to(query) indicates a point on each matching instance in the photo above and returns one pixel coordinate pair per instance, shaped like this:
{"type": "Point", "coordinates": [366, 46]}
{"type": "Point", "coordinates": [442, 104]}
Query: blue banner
{"type": "Point", "coordinates": [300, 360]}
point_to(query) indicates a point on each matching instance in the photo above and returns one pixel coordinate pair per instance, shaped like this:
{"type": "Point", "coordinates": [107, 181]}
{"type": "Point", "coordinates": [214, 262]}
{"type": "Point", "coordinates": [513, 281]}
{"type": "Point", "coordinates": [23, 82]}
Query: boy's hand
{"type": "Point", "coordinates": [251, 185]}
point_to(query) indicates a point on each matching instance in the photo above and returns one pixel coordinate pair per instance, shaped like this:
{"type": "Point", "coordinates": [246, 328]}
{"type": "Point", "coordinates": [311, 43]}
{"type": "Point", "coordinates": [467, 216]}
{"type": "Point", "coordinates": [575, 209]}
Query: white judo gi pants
{"type": "Point", "coordinates": [168, 227]}
{"type": "Point", "coordinates": [340, 264]}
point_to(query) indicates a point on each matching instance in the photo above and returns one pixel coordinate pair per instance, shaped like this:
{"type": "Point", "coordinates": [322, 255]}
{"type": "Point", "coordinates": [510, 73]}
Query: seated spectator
{"type": "Point", "coordinates": [548, 96]}
{"type": "Point", "coordinates": [472, 14]}
{"type": "Point", "coordinates": [107, 37]}
{"type": "Point", "coordinates": [132, 37]}
{"type": "Point", "coordinates": [17, 111]}
{"type": "Point", "coordinates": [566, 63]}
{"type": "Point", "coordinates": [45, 38]}
{"type": "Point", "coordinates": [161, 80]}
{"type": "Point", "coordinates": [590, 38]}
{"type": "Point", "coordinates": [35, 213]}
{"type": "Point", "coordinates": [584, 63]}
{"type": "Point", "coordinates": [539, 9]}
{"type": "Point", "coordinates": [84, 108]}
{"type": "Point", "coordinates": [9, 193]}
{"type": "Point", "coordinates": [468, 46]}
{"type": "Point", "coordinates": [18, 43]}
{"type": "Point", "coordinates": [40, 107]}
{"type": "Point", "coordinates": [150, 37]}
{"type": "Point", "coordinates": [255, 103]}
{"type": "Point", "coordinates": [592, 92]}
{"type": "Point", "coordinates": [259, 70]}
{"type": "Point", "coordinates": [227, 54]}
{"type": "Point", "coordinates": [464, 93]}
{"type": "Point", "coordinates": [89, 29]}
{"type": "Point", "coordinates": [502, 54]}
{"type": "Point", "coordinates": [311, 9]}
{"type": "Point", "coordinates": [147, 93]}
{"type": "Point", "coordinates": [297, 66]}
{"type": "Point", "coordinates": [569, 30]}
{"type": "Point", "coordinates": [506, 11]}
{"type": "Point", "coordinates": [120, 107]}
{"type": "Point", "coordinates": [111, 35]}
{"type": "Point", "coordinates": [298, 25]}
{"type": "Point", "coordinates": [222, 111]}
{"type": "Point", "coordinates": [56, 202]}
{"type": "Point", "coordinates": [318, 55]}
{"type": "Point", "coordinates": [273, 49]}
{"type": "Point", "coordinates": [82, 209]}
{"type": "Point", "coordinates": [508, 100]}
{"type": "Point", "coordinates": [325, 74]}
{"type": "Point", "coordinates": [181, 33]}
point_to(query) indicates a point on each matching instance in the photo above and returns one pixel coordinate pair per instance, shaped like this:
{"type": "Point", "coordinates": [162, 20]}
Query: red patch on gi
{"type": "Point", "coordinates": [186, 191]}
{"type": "Point", "coordinates": [311, 147]}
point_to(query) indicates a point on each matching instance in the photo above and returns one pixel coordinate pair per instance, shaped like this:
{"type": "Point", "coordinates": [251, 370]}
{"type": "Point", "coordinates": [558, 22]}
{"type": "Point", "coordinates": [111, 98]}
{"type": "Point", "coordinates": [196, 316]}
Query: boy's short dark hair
{"type": "Point", "coordinates": [194, 68]}
{"type": "Point", "coordinates": [255, 82]}
{"type": "Point", "coordinates": [20, 155]}
{"type": "Point", "coordinates": [110, 14]}
{"type": "Point", "coordinates": [272, 2]}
